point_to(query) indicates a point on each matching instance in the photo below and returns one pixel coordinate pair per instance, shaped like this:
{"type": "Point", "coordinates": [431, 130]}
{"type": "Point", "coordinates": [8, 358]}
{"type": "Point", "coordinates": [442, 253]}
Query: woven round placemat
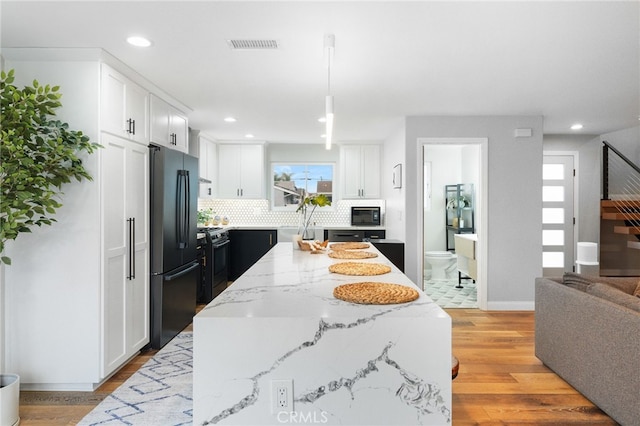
{"type": "Point", "coordinates": [371, 293]}
{"type": "Point", "coordinates": [351, 245]}
{"type": "Point", "coordinates": [349, 254]}
{"type": "Point", "coordinates": [359, 268]}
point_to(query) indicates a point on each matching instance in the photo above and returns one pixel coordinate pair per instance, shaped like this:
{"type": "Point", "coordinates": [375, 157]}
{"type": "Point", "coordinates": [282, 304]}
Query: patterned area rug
{"type": "Point", "coordinates": [446, 295]}
{"type": "Point", "coordinates": [159, 393]}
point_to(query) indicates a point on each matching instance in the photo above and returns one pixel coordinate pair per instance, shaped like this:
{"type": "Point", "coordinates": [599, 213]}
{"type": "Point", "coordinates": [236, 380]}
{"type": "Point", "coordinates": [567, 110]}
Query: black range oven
{"type": "Point", "coordinates": [215, 264]}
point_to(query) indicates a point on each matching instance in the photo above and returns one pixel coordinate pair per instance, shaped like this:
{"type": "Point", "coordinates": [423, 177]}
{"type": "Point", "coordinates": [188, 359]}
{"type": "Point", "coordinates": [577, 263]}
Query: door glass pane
{"type": "Point", "coordinates": [553, 259]}
{"type": "Point", "coordinates": [552, 215]}
{"type": "Point", "coordinates": [552, 237]}
{"type": "Point", "coordinates": [552, 171]}
{"type": "Point", "coordinates": [552, 193]}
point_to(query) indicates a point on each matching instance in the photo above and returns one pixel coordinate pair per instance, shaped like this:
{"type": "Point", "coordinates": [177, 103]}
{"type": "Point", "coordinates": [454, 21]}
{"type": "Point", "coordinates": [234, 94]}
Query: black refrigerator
{"type": "Point", "coordinates": [174, 257]}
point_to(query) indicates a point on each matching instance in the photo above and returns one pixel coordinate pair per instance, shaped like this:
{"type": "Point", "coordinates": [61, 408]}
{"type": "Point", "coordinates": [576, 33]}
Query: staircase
{"type": "Point", "coordinates": [619, 214]}
{"type": "Point", "coordinates": [626, 214]}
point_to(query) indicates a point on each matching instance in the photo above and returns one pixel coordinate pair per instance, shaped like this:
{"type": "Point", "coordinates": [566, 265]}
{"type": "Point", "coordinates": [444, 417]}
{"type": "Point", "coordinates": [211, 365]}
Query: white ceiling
{"type": "Point", "coordinates": [567, 61]}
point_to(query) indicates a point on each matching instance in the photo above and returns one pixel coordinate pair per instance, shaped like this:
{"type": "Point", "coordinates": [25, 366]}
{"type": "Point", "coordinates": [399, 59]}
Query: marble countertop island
{"type": "Point", "coordinates": [348, 364]}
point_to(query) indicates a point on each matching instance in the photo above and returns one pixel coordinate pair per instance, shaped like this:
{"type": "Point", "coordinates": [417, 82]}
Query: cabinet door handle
{"type": "Point", "coordinates": [133, 244]}
{"type": "Point", "coordinates": [209, 191]}
{"type": "Point", "coordinates": [131, 126]}
{"type": "Point", "coordinates": [131, 231]}
{"type": "Point", "coordinates": [241, 192]}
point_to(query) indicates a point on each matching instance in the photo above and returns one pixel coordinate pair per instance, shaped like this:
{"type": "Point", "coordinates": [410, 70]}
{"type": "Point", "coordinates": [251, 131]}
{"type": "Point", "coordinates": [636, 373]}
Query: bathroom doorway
{"type": "Point", "coordinates": [453, 195]}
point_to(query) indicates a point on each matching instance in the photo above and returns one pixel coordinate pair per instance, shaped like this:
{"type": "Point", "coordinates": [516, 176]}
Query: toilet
{"type": "Point", "coordinates": [443, 264]}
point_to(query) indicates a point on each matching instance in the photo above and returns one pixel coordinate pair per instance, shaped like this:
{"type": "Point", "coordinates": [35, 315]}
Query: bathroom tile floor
{"type": "Point", "coordinates": [446, 295]}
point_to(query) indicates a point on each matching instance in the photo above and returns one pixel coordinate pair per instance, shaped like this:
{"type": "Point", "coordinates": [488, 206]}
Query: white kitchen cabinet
{"type": "Point", "coordinates": [240, 171]}
{"type": "Point", "coordinates": [169, 125]}
{"type": "Point", "coordinates": [360, 171]}
{"type": "Point", "coordinates": [74, 312]}
{"type": "Point", "coordinates": [125, 110]}
{"type": "Point", "coordinates": [208, 162]}
{"type": "Point", "coordinates": [126, 250]}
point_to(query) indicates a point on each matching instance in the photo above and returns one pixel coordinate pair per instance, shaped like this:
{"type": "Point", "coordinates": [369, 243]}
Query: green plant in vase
{"type": "Point", "coordinates": [205, 216]}
{"type": "Point", "coordinates": [317, 200]}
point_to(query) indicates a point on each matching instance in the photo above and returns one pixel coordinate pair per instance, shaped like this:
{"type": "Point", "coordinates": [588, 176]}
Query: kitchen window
{"type": "Point", "coordinates": [291, 181]}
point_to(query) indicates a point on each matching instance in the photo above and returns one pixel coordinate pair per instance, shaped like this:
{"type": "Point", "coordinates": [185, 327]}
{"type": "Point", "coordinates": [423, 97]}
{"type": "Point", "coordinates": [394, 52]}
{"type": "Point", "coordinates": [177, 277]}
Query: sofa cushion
{"type": "Point", "coordinates": [637, 292]}
{"type": "Point", "coordinates": [577, 281]}
{"type": "Point", "coordinates": [624, 284]}
{"type": "Point", "coordinates": [581, 281]}
{"type": "Point", "coordinates": [612, 294]}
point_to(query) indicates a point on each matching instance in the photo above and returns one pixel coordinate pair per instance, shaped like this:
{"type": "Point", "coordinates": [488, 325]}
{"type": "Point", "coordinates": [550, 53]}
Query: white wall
{"type": "Point", "coordinates": [514, 200]}
{"type": "Point", "coordinates": [627, 141]}
{"type": "Point", "coordinates": [69, 275]}
{"type": "Point", "coordinates": [393, 152]}
{"type": "Point", "coordinates": [446, 169]}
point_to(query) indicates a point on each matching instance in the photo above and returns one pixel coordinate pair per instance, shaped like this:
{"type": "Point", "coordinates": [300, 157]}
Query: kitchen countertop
{"type": "Point", "coordinates": [350, 363]}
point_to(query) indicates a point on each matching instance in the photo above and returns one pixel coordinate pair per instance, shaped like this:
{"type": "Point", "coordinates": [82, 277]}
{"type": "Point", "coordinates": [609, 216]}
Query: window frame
{"type": "Point", "coordinates": [306, 164]}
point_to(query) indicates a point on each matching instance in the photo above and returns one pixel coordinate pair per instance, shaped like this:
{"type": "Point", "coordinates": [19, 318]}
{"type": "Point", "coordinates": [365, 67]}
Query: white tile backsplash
{"type": "Point", "coordinates": [258, 212]}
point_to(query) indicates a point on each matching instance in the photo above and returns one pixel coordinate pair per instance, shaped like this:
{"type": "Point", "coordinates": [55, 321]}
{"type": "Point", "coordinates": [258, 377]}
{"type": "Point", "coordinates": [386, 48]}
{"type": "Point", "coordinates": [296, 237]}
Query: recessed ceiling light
{"type": "Point", "coordinates": [248, 136]}
{"type": "Point", "coordinates": [577, 126]}
{"type": "Point", "coordinates": [230, 119]}
{"type": "Point", "coordinates": [138, 41]}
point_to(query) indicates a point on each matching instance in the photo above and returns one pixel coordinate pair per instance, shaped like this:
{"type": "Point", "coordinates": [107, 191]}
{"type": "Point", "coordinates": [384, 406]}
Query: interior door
{"type": "Point", "coordinates": [557, 214]}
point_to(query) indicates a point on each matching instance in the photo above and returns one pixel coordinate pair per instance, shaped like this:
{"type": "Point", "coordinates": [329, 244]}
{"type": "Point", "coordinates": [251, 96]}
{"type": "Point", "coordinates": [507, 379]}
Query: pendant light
{"type": "Point", "coordinates": [329, 47]}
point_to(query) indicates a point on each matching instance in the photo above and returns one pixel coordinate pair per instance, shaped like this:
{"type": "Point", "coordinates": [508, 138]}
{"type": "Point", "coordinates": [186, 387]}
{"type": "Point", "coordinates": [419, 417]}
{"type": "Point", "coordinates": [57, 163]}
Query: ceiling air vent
{"type": "Point", "coordinates": [252, 44]}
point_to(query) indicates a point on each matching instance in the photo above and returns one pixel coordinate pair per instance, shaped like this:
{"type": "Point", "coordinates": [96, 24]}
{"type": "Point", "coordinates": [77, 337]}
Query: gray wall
{"type": "Point", "coordinates": [514, 200]}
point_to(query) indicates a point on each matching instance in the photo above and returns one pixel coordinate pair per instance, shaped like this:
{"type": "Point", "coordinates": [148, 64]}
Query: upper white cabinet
{"type": "Point", "coordinates": [240, 171]}
{"type": "Point", "coordinates": [124, 106]}
{"type": "Point", "coordinates": [208, 160]}
{"type": "Point", "coordinates": [360, 171]}
{"type": "Point", "coordinates": [169, 125]}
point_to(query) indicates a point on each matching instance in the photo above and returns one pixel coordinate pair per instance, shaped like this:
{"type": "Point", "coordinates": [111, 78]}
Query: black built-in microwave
{"type": "Point", "coordinates": [365, 216]}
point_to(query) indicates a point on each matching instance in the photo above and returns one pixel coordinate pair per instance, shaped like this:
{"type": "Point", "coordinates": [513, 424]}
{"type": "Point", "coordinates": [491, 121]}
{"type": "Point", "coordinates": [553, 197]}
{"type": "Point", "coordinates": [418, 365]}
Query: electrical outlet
{"type": "Point", "coordinates": [281, 396]}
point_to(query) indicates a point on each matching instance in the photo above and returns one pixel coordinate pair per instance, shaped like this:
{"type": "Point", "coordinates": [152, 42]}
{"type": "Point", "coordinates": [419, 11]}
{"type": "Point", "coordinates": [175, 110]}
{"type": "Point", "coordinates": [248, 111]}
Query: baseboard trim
{"type": "Point", "coordinates": [511, 306]}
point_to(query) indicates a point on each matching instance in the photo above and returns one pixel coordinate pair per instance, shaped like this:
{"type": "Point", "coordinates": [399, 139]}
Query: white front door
{"type": "Point", "coordinates": [557, 214]}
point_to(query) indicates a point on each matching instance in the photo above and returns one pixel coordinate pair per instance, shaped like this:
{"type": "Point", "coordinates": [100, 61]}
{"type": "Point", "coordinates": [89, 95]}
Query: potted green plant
{"type": "Point", "coordinates": [38, 155]}
{"type": "Point", "coordinates": [205, 216]}
{"type": "Point", "coordinates": [316, 200]}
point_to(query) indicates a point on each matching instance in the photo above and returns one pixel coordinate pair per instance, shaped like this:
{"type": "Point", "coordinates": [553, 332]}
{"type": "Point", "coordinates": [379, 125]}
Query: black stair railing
{"type": "Point", "coordinates": [619, 171]}
{"type": "Point", "coordinates": [621, 183]}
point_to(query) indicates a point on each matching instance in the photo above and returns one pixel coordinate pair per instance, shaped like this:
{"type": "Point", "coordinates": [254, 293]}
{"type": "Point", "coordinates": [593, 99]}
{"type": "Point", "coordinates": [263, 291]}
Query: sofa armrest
{"type": "Point", "coordinates": [592, 344]}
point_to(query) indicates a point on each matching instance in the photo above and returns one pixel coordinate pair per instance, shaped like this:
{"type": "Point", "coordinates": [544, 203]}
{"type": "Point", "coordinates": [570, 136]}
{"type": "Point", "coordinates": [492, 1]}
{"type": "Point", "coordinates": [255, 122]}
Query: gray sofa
{"type": "Point", "coordinates": [587, 330]}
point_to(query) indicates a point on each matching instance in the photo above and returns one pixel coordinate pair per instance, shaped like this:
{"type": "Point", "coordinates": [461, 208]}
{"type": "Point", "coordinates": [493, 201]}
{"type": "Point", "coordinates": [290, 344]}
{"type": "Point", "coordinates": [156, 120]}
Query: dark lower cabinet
{"type": "Point", "coordinates": [247, 247]}
{"type": "Point", "coordinates": [392, 250]}
{"type": "Point", "coordinates": [341, 235]}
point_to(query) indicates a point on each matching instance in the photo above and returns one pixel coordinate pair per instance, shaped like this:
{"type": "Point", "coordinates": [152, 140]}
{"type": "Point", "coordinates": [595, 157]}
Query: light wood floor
{"type": "Point", "coordinates": [500, 382]}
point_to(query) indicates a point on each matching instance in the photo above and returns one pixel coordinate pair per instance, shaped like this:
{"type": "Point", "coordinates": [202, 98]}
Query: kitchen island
{"type": "Point", "coordinates": [348, 364]}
